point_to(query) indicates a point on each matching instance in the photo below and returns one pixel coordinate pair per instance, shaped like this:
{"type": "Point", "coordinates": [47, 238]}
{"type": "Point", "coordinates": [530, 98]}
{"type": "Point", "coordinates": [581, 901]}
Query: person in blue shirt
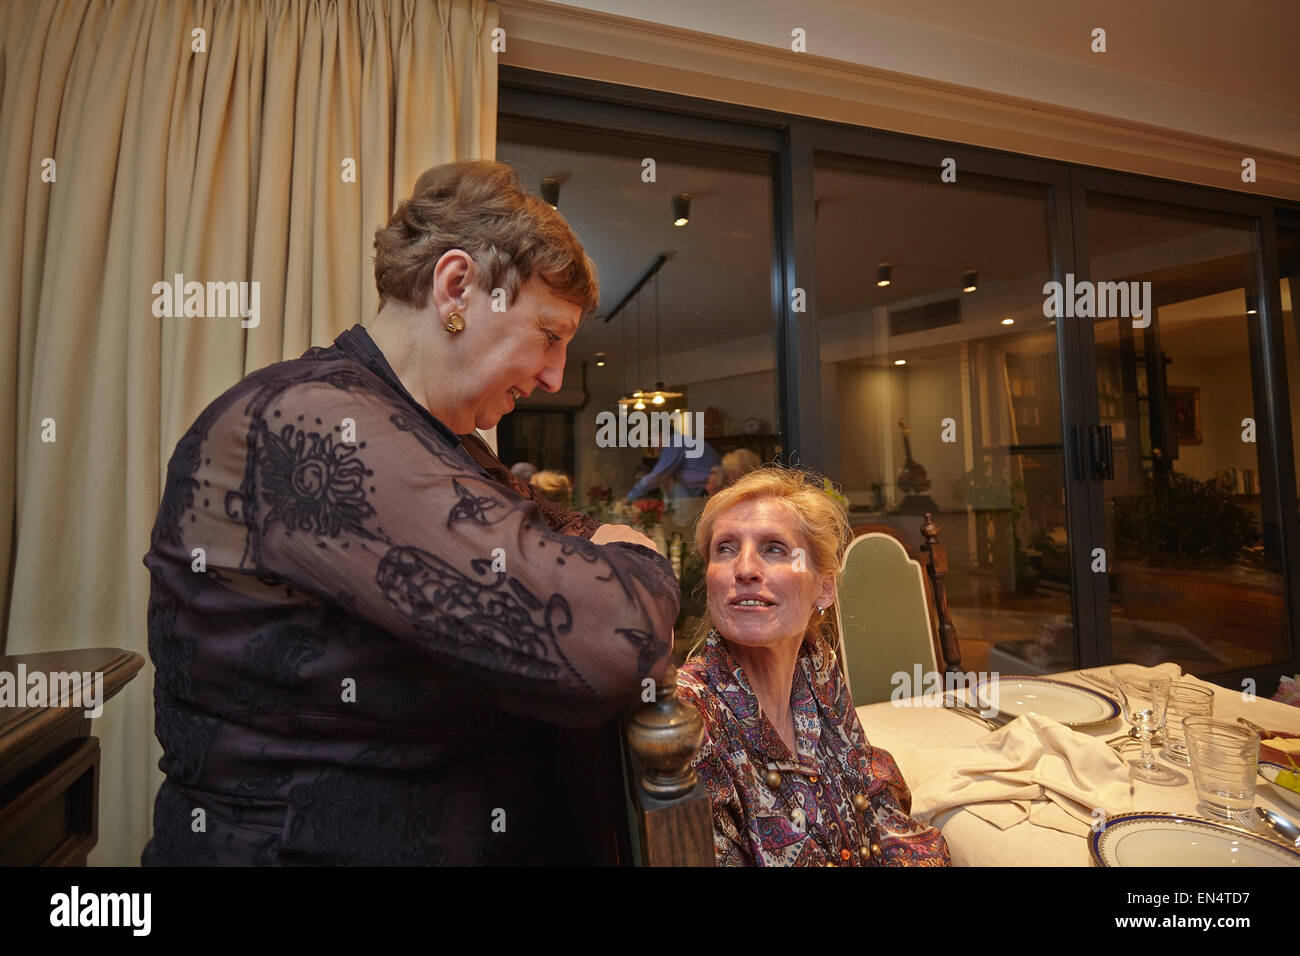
{"type": "Point", "coordinates": [691, 474]}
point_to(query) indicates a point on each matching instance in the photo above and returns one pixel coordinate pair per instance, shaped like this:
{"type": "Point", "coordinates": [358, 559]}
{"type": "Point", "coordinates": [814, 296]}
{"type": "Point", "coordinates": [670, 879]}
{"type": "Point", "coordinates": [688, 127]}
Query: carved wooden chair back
{"type": "Point", "coordinates": [670, 818]}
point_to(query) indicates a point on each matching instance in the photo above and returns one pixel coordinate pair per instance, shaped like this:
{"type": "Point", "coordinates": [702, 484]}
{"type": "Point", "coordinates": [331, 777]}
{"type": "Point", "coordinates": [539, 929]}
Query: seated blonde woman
{"type": "Point", "coordinates": [791, 776]}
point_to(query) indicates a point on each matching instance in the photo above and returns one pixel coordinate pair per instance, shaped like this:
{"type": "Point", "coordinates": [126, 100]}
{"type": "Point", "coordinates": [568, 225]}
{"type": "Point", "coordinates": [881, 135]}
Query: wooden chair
{"type": "Point", "coordinates": [891, 612]}
{"type": "Point", "coordinates": [669, 814]}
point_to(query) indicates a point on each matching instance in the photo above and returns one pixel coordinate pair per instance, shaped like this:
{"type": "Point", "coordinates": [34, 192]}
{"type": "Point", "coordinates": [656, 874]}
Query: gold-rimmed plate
{"type": "Point", "coordinates": [1075, 706]}
{"type": "Point", "coordinates": [1173, 839]}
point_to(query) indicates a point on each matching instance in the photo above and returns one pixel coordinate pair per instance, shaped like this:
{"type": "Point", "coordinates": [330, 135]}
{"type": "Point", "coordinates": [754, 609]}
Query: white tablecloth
{"type": "Point", "coordinates": [974, 842]}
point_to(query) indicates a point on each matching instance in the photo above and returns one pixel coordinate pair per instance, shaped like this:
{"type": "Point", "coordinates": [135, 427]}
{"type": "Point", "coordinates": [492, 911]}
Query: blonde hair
{"type": "Point", "coordinates": [820, 519]}
{"type": "Point", "coordinates": [554, 485]}
{"type": "Point", "coordinates": [480, 206]}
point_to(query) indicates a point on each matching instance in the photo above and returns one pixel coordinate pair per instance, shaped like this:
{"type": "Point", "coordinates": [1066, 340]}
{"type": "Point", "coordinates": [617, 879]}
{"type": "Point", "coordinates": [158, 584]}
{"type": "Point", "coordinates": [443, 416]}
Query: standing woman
{"type": "Point", "coordinates": [791, 776]}
{"type": "Point", "coordinates": [369, 638]}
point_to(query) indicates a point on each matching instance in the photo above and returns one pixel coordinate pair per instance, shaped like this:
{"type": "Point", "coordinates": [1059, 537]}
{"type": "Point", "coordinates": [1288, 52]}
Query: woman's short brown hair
{"type": "Point", "coordinates": [480, 206]}
{"type": "Point", "coordinates": [818, 517]}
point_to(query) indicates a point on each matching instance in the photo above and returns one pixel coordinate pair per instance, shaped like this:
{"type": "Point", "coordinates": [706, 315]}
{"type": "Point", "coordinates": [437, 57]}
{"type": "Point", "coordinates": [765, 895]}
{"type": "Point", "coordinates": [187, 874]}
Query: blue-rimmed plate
{"type": "Point", "coordinates": [1172, 839]}
{"type": "Point", "coordinates": [1269, 772]}
{"type": "Point", "coordinates": [1074, 706]}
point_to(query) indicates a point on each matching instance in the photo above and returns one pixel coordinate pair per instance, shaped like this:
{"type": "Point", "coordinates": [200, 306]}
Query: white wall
{"type": "Point", "coordinates": [1200, 66]}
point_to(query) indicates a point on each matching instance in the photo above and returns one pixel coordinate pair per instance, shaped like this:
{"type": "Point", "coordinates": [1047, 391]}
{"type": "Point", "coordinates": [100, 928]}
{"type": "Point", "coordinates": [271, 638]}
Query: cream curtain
{"type": "Point", "coordinates": [225, 164]}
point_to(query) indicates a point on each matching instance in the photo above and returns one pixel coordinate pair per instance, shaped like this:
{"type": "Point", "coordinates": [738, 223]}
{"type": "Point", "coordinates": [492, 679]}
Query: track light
{"type": "Point", "coordinates": [884, 274]}
{"type": "Point", "coordinates": [551, 191]}
{"type": "Point", "coordinates": [681, 209]}
{"type": "Point", "coordinates": [969, 281]}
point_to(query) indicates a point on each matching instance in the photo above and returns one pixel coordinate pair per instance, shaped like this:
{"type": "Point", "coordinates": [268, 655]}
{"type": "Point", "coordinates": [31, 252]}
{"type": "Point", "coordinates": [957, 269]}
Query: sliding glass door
{"type": "Point", "coordinates": [941, 392]}
{"type": "Point", "coordinates": [1081, 375]}
{"type": "Point", "coordinates": [1181, 436]}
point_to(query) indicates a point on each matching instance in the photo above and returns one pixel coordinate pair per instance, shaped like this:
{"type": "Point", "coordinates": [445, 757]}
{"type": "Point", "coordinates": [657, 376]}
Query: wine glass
{"type": "Point", "coordinates": [1146, 705]}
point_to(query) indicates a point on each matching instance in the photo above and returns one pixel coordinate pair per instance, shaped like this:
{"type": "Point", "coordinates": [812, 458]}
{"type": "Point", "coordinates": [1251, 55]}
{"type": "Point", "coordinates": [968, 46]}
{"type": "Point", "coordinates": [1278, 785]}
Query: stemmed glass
{"type": "Point", "coordinates": [1146, 705]}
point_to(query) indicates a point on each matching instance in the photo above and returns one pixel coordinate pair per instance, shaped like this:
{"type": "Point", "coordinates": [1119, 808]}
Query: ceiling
{"type": "Point", "coordinates": [1245, 52]}
{"type": "Point", "coordinates": [716, 287]}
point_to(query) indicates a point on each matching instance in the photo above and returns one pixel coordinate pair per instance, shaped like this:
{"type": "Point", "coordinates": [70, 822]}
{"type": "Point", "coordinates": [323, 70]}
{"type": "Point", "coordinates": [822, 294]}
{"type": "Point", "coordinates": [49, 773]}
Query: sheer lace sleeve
{"type": "Point", "coordinates": [351, 496]}
{"type": "Point", "coordinates": [561, 519]}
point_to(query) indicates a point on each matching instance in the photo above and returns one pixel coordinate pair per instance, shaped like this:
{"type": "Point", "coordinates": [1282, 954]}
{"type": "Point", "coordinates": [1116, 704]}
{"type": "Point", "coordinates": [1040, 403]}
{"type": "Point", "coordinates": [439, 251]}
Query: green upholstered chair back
{"type": "Point", "coordinates": [883, 617]}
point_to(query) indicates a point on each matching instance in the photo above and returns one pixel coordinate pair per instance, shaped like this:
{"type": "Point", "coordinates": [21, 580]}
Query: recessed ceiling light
{"type": "Point", "coordinates": [900, 361]}
{"type": "Point", "coordinates": [551, 191]}
{"type": "Point", "coordinates": [1008, 321]}
{"type": "Point", "coordinates": [681, 209]}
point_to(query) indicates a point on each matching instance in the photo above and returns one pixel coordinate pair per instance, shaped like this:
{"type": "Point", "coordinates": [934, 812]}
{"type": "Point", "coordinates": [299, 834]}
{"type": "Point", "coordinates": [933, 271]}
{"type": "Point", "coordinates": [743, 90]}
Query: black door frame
{"type": "Point", "coordinates": [791, 141]}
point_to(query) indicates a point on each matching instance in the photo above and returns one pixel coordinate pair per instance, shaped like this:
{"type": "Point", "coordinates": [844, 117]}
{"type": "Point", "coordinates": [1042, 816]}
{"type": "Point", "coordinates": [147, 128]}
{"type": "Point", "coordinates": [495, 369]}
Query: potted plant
{"type": "Point", "coordinates": [878, 495]}
{"type": "Point", "coordinates": [834, 495]}
{"type": "Point", "coordinates": [1178, 521]}
{"type": "Point", "coordinates": [991, 497]}
{"type": "Point", "coordinates": [1028, 564]}
{"type": "Point", "coordinates": [648, 515]}
{"type": "Point", "coordinates": [1001, 504]}
{"type": "Point", "coordinates": [599, 502]}
{"type": "Point", "coordinates": [983, 490]}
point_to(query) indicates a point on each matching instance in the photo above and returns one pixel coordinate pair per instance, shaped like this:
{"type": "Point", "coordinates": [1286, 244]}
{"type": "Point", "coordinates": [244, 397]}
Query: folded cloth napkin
{"type": "Point", "coordinates": [1034, 769]}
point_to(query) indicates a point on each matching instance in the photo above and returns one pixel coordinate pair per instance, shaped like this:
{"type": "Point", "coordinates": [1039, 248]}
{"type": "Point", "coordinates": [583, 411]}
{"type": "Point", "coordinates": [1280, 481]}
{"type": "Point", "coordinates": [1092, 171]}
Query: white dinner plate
{"type": "Point", "coordinates": [1168, 839]}
{"type": "Point", "coordinates": [1074, 706]}
{"type": "Point", "coordinates": [1269, 771]}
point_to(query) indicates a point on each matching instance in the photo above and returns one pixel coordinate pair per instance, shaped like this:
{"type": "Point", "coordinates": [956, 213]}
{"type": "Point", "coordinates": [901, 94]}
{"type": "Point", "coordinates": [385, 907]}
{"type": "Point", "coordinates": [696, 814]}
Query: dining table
{"type": "Point", "coordinates": [906, 728]}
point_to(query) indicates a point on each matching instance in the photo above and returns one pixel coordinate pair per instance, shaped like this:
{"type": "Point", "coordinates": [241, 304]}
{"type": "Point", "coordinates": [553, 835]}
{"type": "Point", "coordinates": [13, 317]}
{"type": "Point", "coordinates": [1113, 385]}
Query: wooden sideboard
{"type": "Point", "coordinates": [49, 763]}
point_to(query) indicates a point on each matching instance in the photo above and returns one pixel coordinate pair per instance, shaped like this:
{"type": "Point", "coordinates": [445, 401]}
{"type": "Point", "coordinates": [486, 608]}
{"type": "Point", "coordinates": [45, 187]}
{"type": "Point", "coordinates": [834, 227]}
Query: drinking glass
{"type": "Point", "coordinates": [1225, 759]}
{"type": "Point", "coordinates": [1146, 704]}
{"type": "Point", "coordinates": [1185, 700]}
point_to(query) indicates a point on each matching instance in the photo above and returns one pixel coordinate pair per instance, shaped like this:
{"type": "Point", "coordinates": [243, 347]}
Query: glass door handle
{"type": "Point", "coordinates": [1094, 452]}
{"type": "Point", "coordinates": [1106, 452]}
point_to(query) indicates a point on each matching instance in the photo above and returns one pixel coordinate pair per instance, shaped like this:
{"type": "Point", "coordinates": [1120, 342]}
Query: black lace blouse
{"type": "Point", "coordinates": [368, 640]}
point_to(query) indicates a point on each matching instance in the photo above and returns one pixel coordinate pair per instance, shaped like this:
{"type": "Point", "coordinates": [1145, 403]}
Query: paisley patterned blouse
{"type": "Point", "coordinates": [369, 641]}
{"type": "Point", "coordinates": [837, 802]}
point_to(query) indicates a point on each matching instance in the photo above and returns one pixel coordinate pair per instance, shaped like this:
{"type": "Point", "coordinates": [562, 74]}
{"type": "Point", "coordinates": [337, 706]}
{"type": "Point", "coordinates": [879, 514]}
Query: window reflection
{"type": "Point", "coordinates": [686, 327]}
{"type": "Point", "coordinates": [1194, 558]}
{"type": "Point", "coordinates": [940, 391]}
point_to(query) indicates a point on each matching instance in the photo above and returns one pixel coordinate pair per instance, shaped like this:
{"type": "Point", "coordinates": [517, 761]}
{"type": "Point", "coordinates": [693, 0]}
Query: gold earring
{"type": "Point", "coordinates": [455, 322]}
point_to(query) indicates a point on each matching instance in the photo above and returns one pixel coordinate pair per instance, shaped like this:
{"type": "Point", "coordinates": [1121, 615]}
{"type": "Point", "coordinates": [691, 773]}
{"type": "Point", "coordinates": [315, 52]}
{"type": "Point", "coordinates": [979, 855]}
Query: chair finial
{"type": "Point", "coordinates": [664, 735]}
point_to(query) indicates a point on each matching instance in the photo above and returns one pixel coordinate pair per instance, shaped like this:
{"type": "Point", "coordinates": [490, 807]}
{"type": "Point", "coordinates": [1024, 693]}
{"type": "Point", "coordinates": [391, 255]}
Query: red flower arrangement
{"type": "Point", "coordinates": [650, 512]}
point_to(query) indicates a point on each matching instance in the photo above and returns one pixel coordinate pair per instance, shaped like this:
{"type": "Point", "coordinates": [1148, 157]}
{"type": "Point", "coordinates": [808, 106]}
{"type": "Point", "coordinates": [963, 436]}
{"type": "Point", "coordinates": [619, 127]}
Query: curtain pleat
{"type": "Point", "coordinates": [220, 166]}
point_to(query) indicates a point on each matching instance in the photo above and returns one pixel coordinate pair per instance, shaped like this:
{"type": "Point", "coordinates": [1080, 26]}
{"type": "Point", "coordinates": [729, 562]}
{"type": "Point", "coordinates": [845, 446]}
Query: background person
{"type": "Point", "coordinates": [734, 464]}
{"type": "Point", "coordinates": [740, 462]}
{"type": "Point", "coordinates": [554, 486]}
{"type": "Point", "coordinates": [679, 475]}
{"type": "Point", "coordinates": [523, 470]}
